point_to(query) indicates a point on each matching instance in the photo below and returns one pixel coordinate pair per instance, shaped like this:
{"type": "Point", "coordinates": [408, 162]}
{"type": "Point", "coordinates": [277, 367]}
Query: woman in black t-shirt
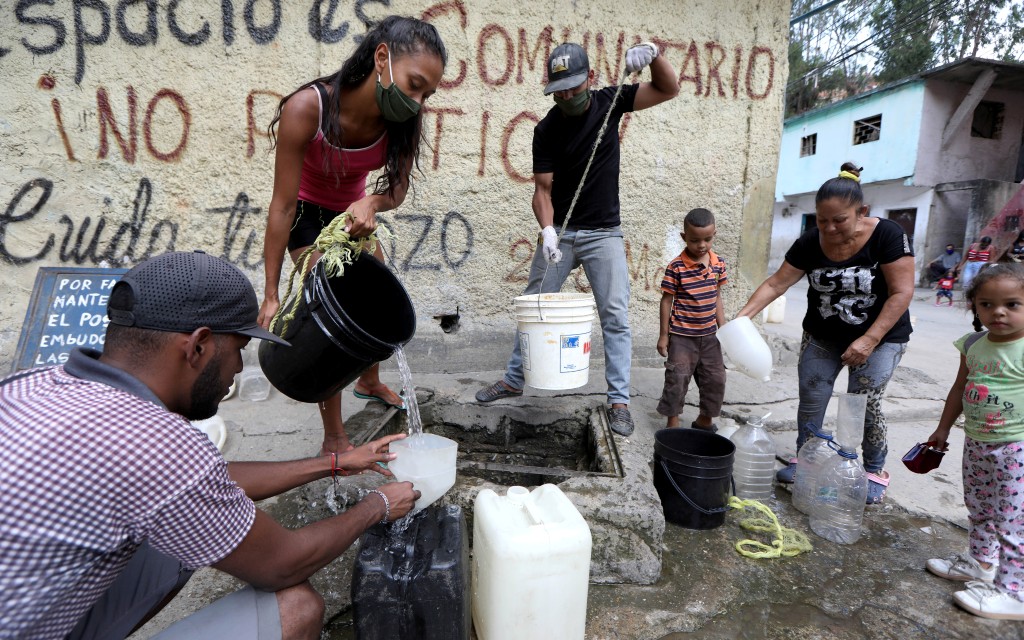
{"type": "Point", "coordinates": [860, 272]}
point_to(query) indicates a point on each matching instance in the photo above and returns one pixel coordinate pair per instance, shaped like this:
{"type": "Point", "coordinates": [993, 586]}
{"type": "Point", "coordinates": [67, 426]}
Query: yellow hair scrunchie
{"type": "Point", "coordinates": [849, 175]}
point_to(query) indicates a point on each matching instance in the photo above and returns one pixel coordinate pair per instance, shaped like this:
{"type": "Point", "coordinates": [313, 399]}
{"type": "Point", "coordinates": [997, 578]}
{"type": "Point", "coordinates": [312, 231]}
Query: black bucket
{"type": "Point", "coordinates": [693, 476]}
{"type": "Point", "coordinates": [342, 326]}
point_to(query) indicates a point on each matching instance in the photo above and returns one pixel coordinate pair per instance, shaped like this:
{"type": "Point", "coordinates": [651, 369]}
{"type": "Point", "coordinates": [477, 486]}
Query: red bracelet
{"type": "Point", "coordinates": [335, 469]}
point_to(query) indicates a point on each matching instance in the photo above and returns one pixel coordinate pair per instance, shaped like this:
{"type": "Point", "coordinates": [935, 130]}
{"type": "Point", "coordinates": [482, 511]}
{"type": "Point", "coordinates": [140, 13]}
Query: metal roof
{"type": "Point", "coordinates": [1009, 75]}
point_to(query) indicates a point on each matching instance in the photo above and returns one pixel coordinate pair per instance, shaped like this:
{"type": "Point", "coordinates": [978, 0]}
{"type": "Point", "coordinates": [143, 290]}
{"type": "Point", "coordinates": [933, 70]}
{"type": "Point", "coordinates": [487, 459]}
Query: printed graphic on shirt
{"type": "Point", "coordinates": [982, 400]}
{"type": "Point", "coordinates": [844, 292]}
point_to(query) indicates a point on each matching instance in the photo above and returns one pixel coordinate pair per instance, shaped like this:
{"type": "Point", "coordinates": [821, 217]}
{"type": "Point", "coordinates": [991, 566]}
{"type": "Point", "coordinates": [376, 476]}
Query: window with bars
{"type": "Point", "coordinates": [867, 130]}
{"type": "Point", "coordinates": [988, 120]}
{"type": "Point", "coordinates": [808, 145]}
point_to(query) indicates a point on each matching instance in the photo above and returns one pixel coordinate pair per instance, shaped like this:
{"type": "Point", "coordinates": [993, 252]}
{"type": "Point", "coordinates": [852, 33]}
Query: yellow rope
{"type": "Point", "coordinates": [787, 542]}
{"type": "Point", "coordinates": [338, 250]}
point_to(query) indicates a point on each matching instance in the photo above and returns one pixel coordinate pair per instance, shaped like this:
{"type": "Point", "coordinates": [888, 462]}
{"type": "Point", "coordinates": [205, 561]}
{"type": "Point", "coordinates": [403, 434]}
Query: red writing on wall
{"type": "Point", "coordinates": [641, 273]}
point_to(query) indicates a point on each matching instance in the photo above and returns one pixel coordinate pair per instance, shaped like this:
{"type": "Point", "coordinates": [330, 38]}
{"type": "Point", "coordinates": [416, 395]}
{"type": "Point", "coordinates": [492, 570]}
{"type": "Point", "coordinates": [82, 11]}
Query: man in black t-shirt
{"type": "Point", "coordinates": [562, 146]}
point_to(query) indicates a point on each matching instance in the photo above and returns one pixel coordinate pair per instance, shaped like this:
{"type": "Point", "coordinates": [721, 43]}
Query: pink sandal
{"type": "Point", "coordinates": [877, 484]}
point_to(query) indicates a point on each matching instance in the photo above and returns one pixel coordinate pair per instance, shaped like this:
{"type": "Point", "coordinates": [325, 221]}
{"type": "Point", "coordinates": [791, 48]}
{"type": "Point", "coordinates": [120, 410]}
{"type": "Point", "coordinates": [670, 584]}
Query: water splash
{"type": "Point", "coordinates": [409, 393]}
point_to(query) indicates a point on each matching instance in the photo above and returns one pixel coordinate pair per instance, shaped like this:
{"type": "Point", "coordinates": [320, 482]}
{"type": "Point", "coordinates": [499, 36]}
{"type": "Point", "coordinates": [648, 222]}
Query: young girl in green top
{"type": "Point", "coordinates": [989, 391]}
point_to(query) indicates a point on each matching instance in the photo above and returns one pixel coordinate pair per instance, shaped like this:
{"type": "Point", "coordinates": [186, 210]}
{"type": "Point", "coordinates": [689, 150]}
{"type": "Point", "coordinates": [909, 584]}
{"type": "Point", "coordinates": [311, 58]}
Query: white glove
{"type": "Point", "coordinates": [641, 55]}
{"type": "Point", "coordinates": [550, 237]}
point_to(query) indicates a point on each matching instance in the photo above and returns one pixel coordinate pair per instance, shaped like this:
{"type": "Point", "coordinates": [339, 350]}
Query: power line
{"type": "Point", "coordinates": [936, 5]}
{"type": "Point", "coordinates": [815, 11]}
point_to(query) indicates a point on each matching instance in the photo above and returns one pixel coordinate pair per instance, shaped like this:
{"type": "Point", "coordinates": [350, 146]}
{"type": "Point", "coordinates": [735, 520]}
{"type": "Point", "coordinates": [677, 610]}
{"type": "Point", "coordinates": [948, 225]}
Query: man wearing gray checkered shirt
{"type": "Point", "coordinates": [112, 499]}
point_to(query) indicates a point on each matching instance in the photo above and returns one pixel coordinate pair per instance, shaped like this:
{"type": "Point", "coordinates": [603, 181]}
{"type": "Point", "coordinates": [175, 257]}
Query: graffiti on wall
{"type": "Point", "coordinates": [643, 273]}
{"type": "Point", "coordinates": [132, 123]}
{"type": "Point", "coordinates": [137, 23]}
{"type": "Point", "coordinates": [94, 239]}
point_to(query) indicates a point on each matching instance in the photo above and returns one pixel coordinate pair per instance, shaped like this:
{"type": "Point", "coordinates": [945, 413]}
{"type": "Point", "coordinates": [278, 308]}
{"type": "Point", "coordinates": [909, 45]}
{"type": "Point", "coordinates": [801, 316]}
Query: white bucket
{"type": "Point", "coordinates": [554, 338]}
{"type": "Point", "coordinates": [427, 461]}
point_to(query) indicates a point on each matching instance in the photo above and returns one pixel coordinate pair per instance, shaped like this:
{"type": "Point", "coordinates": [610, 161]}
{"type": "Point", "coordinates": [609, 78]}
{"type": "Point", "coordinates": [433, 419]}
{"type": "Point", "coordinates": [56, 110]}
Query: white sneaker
{"type": "Point", "coordinates": [961, 567]}
{"type": "Point", "coordinates": [986, 600]}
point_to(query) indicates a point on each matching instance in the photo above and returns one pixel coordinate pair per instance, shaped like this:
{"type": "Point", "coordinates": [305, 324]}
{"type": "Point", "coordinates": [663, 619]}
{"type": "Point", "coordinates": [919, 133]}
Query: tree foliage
{"type": "Point", "coordinates": [903, 31]}
{"type": "Point", "coordinates": [859, 44]}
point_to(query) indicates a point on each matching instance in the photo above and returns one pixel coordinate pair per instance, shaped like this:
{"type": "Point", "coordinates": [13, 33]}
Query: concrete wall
{"type": "Point", "coordinates": [967, 157]}
{"type": "Point", "coordinates": [131, 128]}
{"type": "Point", "coordinates": [890, 157]}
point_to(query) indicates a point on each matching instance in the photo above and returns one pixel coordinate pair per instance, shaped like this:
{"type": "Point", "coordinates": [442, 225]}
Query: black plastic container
{"type": "Point", "coordinates": [693, 476]}
{"type": "Point", "coordinates": [342, 326]}
{"type": "Point", "coordinates": [414, 584]}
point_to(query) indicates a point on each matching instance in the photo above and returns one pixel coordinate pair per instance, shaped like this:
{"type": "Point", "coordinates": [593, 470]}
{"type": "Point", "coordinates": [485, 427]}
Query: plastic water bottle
{"type": "Point", "coordinates": [812, 457]}
{"type": "Point", "coordinates": [837, 511]}
{"type": "Point", "coordinates": [253, 386]}
{"type": "Point", "coordinates": [754, 466]}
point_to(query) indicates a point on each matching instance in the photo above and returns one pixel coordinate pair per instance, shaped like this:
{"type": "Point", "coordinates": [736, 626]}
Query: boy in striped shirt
{"type": "Point", "coordinates": [691, 312]}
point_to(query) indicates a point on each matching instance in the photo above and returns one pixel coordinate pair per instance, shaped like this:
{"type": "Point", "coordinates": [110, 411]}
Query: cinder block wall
{"type": "Point", "coordinates": [132, 128]}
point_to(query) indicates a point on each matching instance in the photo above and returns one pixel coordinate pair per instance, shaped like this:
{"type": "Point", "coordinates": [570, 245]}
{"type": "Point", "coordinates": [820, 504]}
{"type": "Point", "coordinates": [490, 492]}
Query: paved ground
{"type": "Point", "coordinates": [876, 588]}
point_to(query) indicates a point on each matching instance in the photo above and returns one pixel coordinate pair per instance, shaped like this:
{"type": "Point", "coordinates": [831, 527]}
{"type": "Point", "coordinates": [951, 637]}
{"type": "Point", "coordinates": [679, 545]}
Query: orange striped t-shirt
{"type": "Point", "coordinates": [694, 288]}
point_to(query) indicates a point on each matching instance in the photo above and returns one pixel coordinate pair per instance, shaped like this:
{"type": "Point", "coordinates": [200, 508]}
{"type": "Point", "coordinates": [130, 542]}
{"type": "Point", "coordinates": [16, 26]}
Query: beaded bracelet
{"type": "Point", "coordinates": [387, 505]}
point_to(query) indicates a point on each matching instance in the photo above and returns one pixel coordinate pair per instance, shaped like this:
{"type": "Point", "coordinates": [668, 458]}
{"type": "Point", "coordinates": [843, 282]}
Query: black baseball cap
{"type": "Point", "coordinates": [182, 291]}
{"type": "Point", "coordinates": [568, 66]}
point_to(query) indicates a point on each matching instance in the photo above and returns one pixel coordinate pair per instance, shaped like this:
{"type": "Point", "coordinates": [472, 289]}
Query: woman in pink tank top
{"type": "Point", "coordinates": [330, 133]}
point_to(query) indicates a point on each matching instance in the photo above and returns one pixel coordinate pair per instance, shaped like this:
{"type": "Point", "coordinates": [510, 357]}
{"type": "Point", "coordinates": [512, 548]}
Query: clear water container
{"type": "Point", "coordinates": [837, 511]}
{"type": "Point", "coordinates": [427, 460]}
{"type": "Point", "coordinates": [253, 386]}
{"type": "Point", "coordinates": [753, 468]}
{"type": "Point", "coordinates": [531, 565]}
{"type": "Point", "coordinates": [811, 457]}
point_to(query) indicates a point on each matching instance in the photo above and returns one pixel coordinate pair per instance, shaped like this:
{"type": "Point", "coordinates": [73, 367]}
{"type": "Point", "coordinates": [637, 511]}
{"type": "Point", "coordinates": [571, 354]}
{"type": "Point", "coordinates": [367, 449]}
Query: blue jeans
{"type": "Point", "coordinates": [817, 370]}
{"type": "Point", "coordinates": [971, 269]}
{"type": "Point", "coordinates": [602, 252]}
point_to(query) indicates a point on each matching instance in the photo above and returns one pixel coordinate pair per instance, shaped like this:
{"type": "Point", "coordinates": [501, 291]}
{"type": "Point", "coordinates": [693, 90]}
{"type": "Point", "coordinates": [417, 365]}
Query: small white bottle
{"type": "Point", "coordinates": [811, 457]}
{"type": "Point", "coordinates": [253, 385]}
{"type": "Point", "coordinates": [753, 468]}
{"type": "Point", "coordinates": [837, 512]}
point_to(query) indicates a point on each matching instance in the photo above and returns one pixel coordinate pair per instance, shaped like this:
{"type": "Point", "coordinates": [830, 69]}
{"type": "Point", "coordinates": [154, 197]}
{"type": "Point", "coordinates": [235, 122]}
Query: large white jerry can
{"type": "Point", "coordinates": [531, 565]}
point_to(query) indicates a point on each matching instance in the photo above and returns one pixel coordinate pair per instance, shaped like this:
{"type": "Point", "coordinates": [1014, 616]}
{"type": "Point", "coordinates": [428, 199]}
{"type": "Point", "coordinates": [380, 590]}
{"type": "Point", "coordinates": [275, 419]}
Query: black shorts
{"type": "Point", "coordinates": [310, 220]}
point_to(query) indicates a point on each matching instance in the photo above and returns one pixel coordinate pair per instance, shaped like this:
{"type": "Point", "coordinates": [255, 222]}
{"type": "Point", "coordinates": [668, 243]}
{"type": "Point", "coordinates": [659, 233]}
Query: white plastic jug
{"type": "Point", "coordinates": [531, 565]}
{"type": "Point", "coordinates": [747, 350]}
{"type": "Point", "coordinates": [426, 460]}
{"type": "Point", "coordinates": [775, 312]}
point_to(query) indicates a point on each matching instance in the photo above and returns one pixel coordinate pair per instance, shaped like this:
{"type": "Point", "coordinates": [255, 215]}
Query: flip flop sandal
{"type": "Point", "coordinates": [876, 487]}
{"type": "Point", "coordinates": [370, 396]}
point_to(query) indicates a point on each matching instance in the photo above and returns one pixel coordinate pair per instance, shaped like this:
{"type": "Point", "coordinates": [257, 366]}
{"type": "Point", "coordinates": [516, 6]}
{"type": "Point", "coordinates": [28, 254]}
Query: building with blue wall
{"type": "Point", "coordinates": [941, 151]}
